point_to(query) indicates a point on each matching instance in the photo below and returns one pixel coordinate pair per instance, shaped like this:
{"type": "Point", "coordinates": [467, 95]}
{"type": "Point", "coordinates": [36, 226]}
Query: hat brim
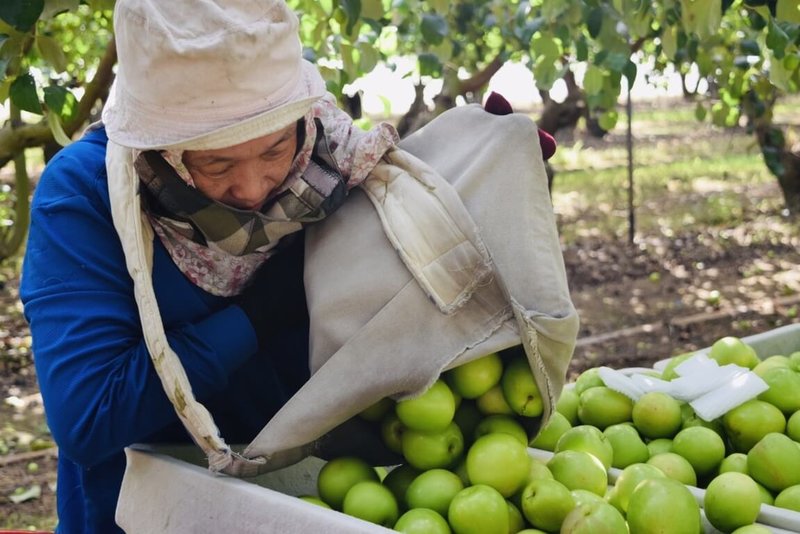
{"type": "Point", "coordinates": [127, 125]}
{"type": "Point", "coordinates": [260, 125]}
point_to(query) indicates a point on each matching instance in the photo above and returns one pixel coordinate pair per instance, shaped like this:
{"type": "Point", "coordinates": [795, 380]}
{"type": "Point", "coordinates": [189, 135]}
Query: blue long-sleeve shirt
{"type": "Point", "coordinates": [100, 389]}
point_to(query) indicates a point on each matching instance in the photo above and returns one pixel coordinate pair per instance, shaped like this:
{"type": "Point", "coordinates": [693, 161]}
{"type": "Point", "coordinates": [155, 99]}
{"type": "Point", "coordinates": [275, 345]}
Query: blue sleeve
{"type": "Point", "coordinates": [100, 390]}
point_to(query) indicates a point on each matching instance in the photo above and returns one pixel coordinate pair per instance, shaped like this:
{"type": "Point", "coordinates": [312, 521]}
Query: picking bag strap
{"type": "Point", "coordinates": [429, 228]}
{"type": "Point", "coordinates": [136, 237]}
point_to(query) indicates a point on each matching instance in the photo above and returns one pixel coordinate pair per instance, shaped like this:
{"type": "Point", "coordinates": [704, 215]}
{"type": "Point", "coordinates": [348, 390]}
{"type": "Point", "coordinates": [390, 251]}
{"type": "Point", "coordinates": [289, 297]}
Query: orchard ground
{"type": "Point", "coordinates": [714, 255]}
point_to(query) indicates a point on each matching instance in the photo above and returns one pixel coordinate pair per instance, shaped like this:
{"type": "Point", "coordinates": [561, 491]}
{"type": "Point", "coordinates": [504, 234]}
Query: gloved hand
{"type": "Point", "coordinates": [497, 105]}
{"type": "Point", "coordinates": [275, 298]}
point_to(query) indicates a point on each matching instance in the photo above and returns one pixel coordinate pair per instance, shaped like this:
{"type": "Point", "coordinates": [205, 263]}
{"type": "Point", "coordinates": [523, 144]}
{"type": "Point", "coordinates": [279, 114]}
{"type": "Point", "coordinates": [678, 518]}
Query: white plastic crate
{"type": "Point", "coordinates": [779, 520]}
{"type": "Point", "coordinates": [783, 340]}
{"type": "Point", "coordinates": [161, 493]}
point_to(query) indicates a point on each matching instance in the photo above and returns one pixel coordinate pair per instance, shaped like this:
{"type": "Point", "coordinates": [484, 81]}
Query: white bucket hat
{"type": "Point", "coordinates": [206, 74]}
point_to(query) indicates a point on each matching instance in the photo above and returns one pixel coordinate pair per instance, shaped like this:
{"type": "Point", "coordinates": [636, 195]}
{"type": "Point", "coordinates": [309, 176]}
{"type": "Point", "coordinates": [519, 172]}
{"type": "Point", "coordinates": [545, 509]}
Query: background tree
{"type": "Point", "coordinates": [746, 52]}
{"type": "Point", "coordinates": [56, 60]}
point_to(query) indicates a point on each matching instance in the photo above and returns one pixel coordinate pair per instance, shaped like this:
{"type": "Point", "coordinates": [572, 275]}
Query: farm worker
{"type": "Point", "coordinates": [236, 146]}
{"type": "Point", "coordinates": [228, 141]}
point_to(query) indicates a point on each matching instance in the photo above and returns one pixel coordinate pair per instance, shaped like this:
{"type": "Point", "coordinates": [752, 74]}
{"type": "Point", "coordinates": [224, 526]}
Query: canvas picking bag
{"type": "Point", "coordinates": [441, 257]}
{"type": "Point", "coordinates": [447, 252]}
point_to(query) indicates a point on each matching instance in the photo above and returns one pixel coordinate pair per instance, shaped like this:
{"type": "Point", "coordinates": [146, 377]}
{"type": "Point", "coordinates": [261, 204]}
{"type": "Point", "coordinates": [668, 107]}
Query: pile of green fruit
{"type": "Point", "coordinates": [477, 459]}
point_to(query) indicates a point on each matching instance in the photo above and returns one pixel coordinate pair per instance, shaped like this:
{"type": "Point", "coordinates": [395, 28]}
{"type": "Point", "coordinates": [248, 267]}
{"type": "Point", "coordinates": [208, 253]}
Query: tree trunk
{"type": "Point", "coordinates": [415, 117]}
{"type": "Point", "coordinates": [782, 160]}
{"type": "Point", "coordinates": [352, 105]}
{"type": "Point", "coordinates": [774, 148]}
{"type": "Point", "coordinates": [562, 115]}
{"type": "Point", "coordinates": [452, 87]}
{"type": "Point", "coordinates": [790, 182]}
{"type": "Point", "coordinates": [12, 237]}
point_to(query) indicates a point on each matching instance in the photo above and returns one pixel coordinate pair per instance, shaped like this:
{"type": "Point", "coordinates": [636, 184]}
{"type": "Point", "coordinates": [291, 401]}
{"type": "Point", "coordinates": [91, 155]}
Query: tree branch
{"type": "Point", "coordinates": [482, 77]}
{"type": "Point", "coordinates": [14, 138]}
{"type": "Point", "coordinates": [96, 89]}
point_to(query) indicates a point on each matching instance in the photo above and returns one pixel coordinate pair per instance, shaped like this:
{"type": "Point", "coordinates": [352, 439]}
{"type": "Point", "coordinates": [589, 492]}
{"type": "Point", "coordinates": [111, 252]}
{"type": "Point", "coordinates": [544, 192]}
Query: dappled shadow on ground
{"type": "Point", "coordinates": [27, 454]}
{"type": "Point", "coordinates": [660, 297]}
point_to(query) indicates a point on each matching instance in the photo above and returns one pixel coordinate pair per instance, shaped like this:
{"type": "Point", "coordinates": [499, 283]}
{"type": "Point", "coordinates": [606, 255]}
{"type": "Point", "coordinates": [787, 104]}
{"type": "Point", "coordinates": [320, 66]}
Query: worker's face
{"type": "Point", "coordinates": [243, 176]}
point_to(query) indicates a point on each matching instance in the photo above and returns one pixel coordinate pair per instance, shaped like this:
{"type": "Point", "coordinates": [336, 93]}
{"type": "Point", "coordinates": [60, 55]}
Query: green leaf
{"type": "Point", "coordinates": [4, 86]}
{"type": "Point", "coordinates": [788, 10]}
{"type": "Point", "coordinates": [701, 17]}
{"type": "Point", "coordinates": [692, 46]}
{"type": "Point", "coordinates": [593, 80]}
{"type": "Point", "coordinates": [56, 99]}
{"type": "Point", "coordinates": [372, 9]}
{"type": "Point", "coordinates": [23, 94]}
{"type": "Point", "coordinates": [387, 105]}
{"type": "Point", "coordinates": [325, 5]}
{"type": "Point", "coordinates": [639, 24]}
{"type": "Point", "coordinates": [6, 28]}
{"type": "Point", "coordinates": [101, 5]}
{"type": "Point", "coordinates": [429, 65]}
{"type": "Point", "coordinates": [574, 16]}
{"type": "Point", "coordinates": [51, 52]}
{"type": "Point", "coordinates": [792, 62]}
{"type": "Point", "coordinates": [60, 136]}
{"type": "Point", "coordinates": [617, 62]}
{"type": "Point", "coordinates": [581, 49]}
{"type": "Point", "coordinates": [526, 30]}
{"type": "Point", "coordinates": [777, 39]}
{"type": "Point", "coordinates": [612, 40]}
{"type": "Point", "coordinates": [750, 47]}
{"type": "Point", "coordinates": [782, 73]}
{"type": "Point", "coordinates": [719, 113]}
{"type": "Point", "coordinates": [544, 46]}
{"type": "Point", "coordinates": [563, 34]}
{"type": "Point", "coordinates": [433, 28]}
{"type": "Point", "coordinates": [352, 8]}
{"type": "Point", "coordinates": [369, 57]}
{"type": "Point", "coordinates": [700, 112]}
{"type": "Point", "coordinates": [594, 22]}
{"type": "Point", "coordinates": [3, 77]}
{"type": "Point", "coordinates": [55, 7]}
{"type": "Point", "coordinates": [629, 71]}
{"type": "Point", "coordinates": [349, 60]}
{"type": "Point", "coordinates": [608, 120]}
{"type": "Point", "coordinates": [21, 14]}
{"type": "Point", "coordinates": [439, 6]}
{"type": "Point", "coordinates": [552, 9]}
{"type": "Point", "coordinates": [669, 41]}
{"type": "Point", "coordinates": [445, 50]}
{"type": "Point", "coordinates": [545, 73]}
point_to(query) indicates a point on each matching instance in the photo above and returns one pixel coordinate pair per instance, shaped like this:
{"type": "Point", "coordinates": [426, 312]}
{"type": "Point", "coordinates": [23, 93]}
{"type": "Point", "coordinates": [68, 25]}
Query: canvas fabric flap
{"type": "Point", "coordinates": [397, 282]}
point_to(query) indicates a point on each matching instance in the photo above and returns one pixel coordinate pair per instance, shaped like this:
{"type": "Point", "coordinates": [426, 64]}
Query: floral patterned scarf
{"type": "Point", "coordinates": [219, 247]}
